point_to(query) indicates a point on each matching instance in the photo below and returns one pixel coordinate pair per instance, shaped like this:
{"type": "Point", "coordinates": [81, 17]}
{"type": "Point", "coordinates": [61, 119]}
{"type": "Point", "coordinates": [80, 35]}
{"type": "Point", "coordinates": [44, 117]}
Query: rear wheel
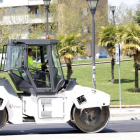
{"type": "Point", "coordinates": [3, 118]}
{"type": "Point", "coordinates": [91, 119]}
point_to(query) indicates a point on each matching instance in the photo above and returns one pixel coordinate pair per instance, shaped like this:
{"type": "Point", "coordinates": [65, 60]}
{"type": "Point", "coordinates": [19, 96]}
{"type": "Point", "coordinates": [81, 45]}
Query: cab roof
{"type": "Point", "coordinates": [33, 42]}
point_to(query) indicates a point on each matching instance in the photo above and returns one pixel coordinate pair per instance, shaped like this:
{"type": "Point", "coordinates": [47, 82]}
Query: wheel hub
{"type": "Point", "coordinates": [90, 116]}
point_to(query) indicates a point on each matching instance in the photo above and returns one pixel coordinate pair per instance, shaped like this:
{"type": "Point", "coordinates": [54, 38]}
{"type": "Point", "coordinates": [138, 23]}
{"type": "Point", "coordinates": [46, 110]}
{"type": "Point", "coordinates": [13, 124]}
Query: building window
{"type": "Point", "coordinates": [15, 11]}
{"type": "Point", "coordinates": [31, 29]}
{"type": "Point", "coordinates": [0, 36]}
{"type": "Point", "coordinates": [1, 13]}
{"type": "Point", "coordinates": [1, 1]}
{"type": "Point", "coordinates": [55, 1]}
{"type": "Point", "coordinates": [85, 11]}
{"type": "Point", "coordinates": [36, 10]}
{"type": "Point", "coordinates": [86, 29]}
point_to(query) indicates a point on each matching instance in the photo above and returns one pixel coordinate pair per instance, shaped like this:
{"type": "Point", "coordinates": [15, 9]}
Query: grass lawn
{"type": "Point", "coordinates": [83, 74]}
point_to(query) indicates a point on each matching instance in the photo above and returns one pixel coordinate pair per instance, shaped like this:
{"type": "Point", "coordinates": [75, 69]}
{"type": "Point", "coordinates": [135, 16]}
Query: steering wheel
{"type": "Point", "coordinates": [44, 67]}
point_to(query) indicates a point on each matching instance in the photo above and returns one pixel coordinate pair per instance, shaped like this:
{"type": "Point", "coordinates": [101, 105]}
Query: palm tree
{"type": "Point", "coordinates": [130, 38]}
{"type": "Point", "coordinates": [70, 46]}
{"type": "Point", "coordinates": [108, 39]}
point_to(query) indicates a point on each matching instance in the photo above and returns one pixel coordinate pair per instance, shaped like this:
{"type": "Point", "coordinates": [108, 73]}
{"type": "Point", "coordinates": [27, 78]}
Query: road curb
{"type": "Point", "coordinates": [125, 106]}
{"type": "Point", "coordinates": [125, 111]}
{"type": "Point", "coordinates": [124, 115]}
{"type": "Point", "coordinates": [104, 62]}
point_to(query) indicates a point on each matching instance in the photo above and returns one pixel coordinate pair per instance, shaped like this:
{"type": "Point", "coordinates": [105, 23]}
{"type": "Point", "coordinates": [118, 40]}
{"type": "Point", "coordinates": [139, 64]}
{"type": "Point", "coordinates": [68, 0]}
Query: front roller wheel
{"type": "Point", "coordinates": [3, 118]}
{"type": "Point", "coordinates": [91, 119]}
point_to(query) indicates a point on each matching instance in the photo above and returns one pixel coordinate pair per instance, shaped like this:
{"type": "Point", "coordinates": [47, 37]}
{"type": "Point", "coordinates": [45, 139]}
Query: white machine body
{"type": "Point", "coordinates": [51, 108]}
{"type": "Point", "coordinates": [47, 97]}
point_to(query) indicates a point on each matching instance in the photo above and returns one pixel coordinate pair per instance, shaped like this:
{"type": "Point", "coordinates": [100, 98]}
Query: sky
{"type": "Point", "coordinates": [127, 2]}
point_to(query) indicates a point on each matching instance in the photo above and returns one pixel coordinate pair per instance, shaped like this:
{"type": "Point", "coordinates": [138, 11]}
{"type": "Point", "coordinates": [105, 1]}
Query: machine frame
{"type": "Point", "coordinates": [68, 102]}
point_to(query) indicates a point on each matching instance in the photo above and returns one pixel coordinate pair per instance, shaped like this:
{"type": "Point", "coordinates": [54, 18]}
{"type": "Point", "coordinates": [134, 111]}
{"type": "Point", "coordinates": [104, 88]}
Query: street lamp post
{"type": "Point", "coordinates": [92, 5]}
{"type": "Point", "coordinates": [47, 3]}
{"type": "Point", "coordinates": [113, 8]}
{"type": "Point", "coordinates": [117, 46]}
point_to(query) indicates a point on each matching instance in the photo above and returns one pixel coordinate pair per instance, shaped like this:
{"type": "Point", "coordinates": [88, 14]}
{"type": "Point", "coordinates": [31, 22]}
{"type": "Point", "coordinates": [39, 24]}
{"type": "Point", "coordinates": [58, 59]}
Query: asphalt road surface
{"type": "Point", "coordinates": [64, 131]}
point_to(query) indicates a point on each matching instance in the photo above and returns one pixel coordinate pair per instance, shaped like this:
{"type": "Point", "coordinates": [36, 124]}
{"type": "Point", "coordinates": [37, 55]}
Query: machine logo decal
{"type": "Point", "coordinates": [11, 106]}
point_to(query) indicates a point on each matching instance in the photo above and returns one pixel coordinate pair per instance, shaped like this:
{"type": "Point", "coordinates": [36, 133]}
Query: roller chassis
{"type": "Point", "coordinates": [58, 108]}
{"type": "Point", "coordinates": [60, 101]}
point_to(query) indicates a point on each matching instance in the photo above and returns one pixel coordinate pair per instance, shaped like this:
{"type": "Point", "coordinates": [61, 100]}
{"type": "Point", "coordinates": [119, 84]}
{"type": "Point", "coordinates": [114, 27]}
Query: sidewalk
{"type": "Point", "coordinates": [125, 113]}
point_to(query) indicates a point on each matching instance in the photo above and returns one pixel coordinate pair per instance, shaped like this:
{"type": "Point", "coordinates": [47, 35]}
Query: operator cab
{"type": "Point", "coordinates": [47, 79]}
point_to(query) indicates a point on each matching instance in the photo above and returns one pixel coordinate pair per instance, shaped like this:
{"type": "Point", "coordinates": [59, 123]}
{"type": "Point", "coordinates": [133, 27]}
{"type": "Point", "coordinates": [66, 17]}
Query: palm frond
{"type": "Point", "coordinates": [71, 46]}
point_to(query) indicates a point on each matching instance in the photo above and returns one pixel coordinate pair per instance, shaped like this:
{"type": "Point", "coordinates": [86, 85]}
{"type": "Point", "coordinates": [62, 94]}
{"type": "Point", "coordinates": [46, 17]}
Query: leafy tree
{"type": "Point", "coordinates": [75, 17]}
{"type": "Point", "coordinates": [4, 35]}
{"type": "Point", "coordinates": [123, 15]}
{"type": "Point", "coordinates": [38, 30]}
{"type": "Point", "coordinates": [69, 17]}
{"type": "Point", "coordinates": [108, 39]}
{"type": "Point", "coordinates": [130, 38]}
{"type": "Point", "coordinates": [14, 23]}
{"type": "Point", "coordinates": [69, 47]}
{"type": "Point", "coordinates": [3, 30]}
{"type": "Point", "coordinates": [136, 16]}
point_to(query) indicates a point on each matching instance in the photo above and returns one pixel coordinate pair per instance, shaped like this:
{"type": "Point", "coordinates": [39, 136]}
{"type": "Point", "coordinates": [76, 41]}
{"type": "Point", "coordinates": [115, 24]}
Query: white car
{"type": "Point", "coordinates": [34, 60]}
{"type": "Point", "coordinates": [45, 58]}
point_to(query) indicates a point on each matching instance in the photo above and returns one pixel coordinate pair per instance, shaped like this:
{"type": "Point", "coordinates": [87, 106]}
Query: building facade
{"type": "Point", "coordinates": [11, 14]}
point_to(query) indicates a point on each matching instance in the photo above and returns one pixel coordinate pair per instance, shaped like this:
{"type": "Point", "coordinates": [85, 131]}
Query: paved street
{"type": "Point", "coordinates": [100, 136]}
{"type": "Point", "coordinates": [127, 130]}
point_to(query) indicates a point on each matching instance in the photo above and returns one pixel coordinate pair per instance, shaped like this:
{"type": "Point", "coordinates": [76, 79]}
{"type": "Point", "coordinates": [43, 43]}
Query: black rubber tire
{"type": "Point", "coordinates": [3, 118]}
{"type": "Point", "coordinates": [102, 122]}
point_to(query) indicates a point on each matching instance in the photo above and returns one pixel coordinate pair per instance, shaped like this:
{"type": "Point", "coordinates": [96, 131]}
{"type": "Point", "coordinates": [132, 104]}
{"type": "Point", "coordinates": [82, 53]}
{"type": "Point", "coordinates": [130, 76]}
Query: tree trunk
{"type": "Point", "coordinates": [69, 70]}
{"type": "Point", "coordinates": [136, 77]}
{"type": "Point", "coordinates": [112, 70]}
